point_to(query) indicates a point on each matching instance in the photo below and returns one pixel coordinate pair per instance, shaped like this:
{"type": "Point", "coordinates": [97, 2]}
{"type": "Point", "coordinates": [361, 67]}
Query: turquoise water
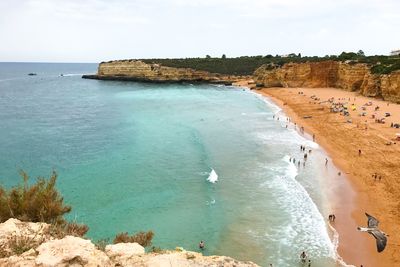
{"type": "Point", "coordinates": [134, 156]}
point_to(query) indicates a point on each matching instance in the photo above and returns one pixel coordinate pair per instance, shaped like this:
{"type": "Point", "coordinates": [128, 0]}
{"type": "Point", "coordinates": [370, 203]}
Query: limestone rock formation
{"type": "Point", "coordinates": [69, 251]}
{"type": "Point", "coordinates": [348, 76]}
{"type": "Point", "coordinates": [185, 259]}
{"type": "Point", "coordinates": [390, 86]}
{"type": "Point", "coordinates": [14, 232]}
{"type": "Point", "coordinates": [47, 251]}
{"type": "Point", "coordinates": [313, 74]}
{"type": "Point", "coordinates": [136, 70]}
{"type": "Point", "coordinates": [124, 249]}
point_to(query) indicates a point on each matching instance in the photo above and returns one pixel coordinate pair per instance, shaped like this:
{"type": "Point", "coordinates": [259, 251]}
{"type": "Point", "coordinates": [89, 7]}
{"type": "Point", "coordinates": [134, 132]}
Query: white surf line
{"type": "Point", "coordinates": [335, 242]}
{"type": "Point", "coordinates": [71, 74]}
{"type": "Point", "coordinates": [13, 79]}
{"type": "Point", "coordinates": [291, 174]}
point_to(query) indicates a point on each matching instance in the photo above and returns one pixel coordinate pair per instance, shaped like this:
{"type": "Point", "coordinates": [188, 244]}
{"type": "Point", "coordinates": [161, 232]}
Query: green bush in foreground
{"type": "Point", "coordinates": [39, 202]}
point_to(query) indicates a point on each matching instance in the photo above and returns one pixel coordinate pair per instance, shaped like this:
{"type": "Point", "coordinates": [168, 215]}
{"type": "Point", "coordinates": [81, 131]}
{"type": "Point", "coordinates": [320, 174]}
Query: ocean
{"type": "Point", "coordinates": [136, 157]}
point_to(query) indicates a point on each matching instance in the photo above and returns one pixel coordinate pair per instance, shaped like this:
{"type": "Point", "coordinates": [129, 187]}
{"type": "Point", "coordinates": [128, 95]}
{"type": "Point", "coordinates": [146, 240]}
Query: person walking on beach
{"type": "Point", "coordinates": [326, 161]}
{"type": "Point", "coordinates": [202, 245]}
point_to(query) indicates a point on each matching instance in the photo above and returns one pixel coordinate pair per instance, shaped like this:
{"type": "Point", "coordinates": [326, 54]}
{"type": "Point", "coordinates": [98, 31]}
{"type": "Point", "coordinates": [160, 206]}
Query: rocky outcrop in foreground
{"type": "Point", "coordinates": [136, 70]}
{"type": "Point", "coordinates": [31, 244]}
{"type": "Point", "coordinates": [351, 77]}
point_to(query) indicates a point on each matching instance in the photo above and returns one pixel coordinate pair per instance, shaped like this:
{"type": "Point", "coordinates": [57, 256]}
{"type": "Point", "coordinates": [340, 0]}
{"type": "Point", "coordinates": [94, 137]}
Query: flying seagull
{"type": "Point", "coordinates": [373, 230]}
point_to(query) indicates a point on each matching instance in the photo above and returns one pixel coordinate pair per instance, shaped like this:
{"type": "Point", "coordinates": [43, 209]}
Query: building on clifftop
{"type": "Point", "coordinates": [395, 52]}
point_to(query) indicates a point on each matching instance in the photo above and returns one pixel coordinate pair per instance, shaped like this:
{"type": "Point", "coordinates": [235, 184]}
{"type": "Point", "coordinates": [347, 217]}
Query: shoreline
{"type": "Point", "coordinates": [343, 256]}
{"type": "Point", "coordinates": [354, 248]}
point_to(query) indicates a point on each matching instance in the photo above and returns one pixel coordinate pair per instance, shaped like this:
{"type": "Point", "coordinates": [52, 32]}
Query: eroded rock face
{"type": "Point", "coordinates": [314, 74]}
{"type": "Point", "coordinates": [14, 232]}
{"type": "Point", "coordinates": [350, 77]}
{"type": "Point", "coordinates": [371, 85]}
{"type": "Point", "coordinates": [390, 86]}
{"type": "Point", "coordinates": [183, 259]}
{"type": "Point", "coordinates": [137, 70]}
{"type": "Point", "coordinates": [124, 249]}
{"type": "Point", "coordinates": [69, 251]}
{"type": "Point", "coordinates": [75, 251]}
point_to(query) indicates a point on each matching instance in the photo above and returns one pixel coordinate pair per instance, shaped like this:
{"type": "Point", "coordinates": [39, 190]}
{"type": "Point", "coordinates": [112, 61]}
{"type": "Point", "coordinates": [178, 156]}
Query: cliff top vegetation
{"type": "Point", "coordinates": [246, 65]}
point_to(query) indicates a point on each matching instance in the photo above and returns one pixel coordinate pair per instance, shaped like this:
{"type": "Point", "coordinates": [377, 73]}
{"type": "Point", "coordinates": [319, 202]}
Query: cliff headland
{"type": "Point", "coordinates": [136, 70]}
{"type": "Point", "coordinates": [365, 75]}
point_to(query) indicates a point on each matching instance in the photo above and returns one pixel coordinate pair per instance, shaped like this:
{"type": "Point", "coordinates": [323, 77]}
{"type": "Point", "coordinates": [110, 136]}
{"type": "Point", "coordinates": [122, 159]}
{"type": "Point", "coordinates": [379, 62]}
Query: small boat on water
{"type": "Point", "coordinates": [32, 74]}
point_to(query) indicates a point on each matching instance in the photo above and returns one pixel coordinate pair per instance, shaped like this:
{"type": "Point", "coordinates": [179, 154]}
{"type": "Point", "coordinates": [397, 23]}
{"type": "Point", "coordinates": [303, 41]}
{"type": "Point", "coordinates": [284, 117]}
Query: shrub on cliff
{"type": "Point", "coordinates": [39, 202]}
{"type": "Point", "coordinates": [246, 65]}
{"type": "Point", "coordinates": [64, 228]}
{"type": "Point", "coordinates": [385, 68]}
{"type": "Point", "coordinates": [142, 238]}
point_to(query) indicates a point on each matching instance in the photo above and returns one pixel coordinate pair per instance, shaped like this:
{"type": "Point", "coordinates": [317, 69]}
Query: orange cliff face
{"type": "Point", "coordinates": [136, 70]}
{"type": "Point", "coordinates": [350, 77]}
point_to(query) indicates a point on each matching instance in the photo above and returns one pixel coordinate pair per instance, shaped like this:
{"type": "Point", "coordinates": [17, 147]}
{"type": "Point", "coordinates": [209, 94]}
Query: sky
{"type": "Point", "coordinates": [100, 30]}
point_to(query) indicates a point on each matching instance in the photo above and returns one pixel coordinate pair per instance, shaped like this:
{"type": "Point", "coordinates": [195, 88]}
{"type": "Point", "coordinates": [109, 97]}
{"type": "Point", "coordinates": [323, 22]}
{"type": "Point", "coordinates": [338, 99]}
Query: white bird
{"type": "Point", "coordinates": [373, 230]}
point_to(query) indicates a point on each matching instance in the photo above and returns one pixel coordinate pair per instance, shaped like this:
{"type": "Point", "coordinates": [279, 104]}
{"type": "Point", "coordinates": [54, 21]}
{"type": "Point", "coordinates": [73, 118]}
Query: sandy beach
{"type": "Point", "coordinates": [342, 137]}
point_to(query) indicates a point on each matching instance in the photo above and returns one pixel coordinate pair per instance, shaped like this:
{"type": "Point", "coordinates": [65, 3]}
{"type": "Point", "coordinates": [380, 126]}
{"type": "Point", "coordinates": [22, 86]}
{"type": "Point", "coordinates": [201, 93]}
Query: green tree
{"type": "Point", "coordinates": [223, 56]}
{"type": "Point", "coordinates": [361, 53]}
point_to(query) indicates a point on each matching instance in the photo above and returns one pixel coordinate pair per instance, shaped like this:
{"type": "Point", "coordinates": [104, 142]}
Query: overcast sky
{"type": "Point", "coordinates": [97, 30]}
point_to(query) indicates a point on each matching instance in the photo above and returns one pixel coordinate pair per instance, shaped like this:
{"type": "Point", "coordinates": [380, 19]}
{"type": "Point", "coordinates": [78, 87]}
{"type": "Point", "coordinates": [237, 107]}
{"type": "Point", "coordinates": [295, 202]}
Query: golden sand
{"type": "Point", "coordinates": [342, 140]}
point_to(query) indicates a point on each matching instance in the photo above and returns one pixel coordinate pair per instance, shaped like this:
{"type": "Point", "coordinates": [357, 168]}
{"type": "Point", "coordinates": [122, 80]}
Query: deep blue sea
{"type": "Point", "coordinates": [136, 157]}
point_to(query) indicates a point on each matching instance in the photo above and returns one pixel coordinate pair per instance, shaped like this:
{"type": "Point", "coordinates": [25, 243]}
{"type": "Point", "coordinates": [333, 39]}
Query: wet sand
{"type": "Point", "coordinates": [342, 141]}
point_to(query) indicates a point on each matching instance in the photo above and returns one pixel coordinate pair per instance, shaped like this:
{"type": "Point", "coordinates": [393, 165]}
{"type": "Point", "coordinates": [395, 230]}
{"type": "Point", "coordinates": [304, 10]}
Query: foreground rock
{"type": "Point", "coordinates": [351, 77]}
{"type": "Point", "coordinates": [31, 244]}
{"type": "Point", "coordinates": [69, 251]}
{"type": "Point", "coordinates": [136, 70]}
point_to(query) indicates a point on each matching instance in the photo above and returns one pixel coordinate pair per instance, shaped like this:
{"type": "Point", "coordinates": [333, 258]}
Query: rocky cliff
{"type": "Point", "coordinates": [351, 77]}
{"type": "Point", "coordinates": [136, 70]}
{"type": "Point", "coordinates": [32, 244]}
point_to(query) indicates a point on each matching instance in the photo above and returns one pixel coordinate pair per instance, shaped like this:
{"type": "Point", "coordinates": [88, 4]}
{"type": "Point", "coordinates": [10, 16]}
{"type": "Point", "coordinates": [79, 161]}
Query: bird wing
{"type": "Point", "coordinates": [381, 239]}
{"type": "Point", "coordinates": [372, 221]}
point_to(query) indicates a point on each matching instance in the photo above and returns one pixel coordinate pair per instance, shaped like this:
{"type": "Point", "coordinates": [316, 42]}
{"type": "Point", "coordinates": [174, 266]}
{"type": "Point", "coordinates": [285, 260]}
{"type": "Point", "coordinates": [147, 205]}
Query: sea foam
{"type": "Point", "coordinates": [213, 177]}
